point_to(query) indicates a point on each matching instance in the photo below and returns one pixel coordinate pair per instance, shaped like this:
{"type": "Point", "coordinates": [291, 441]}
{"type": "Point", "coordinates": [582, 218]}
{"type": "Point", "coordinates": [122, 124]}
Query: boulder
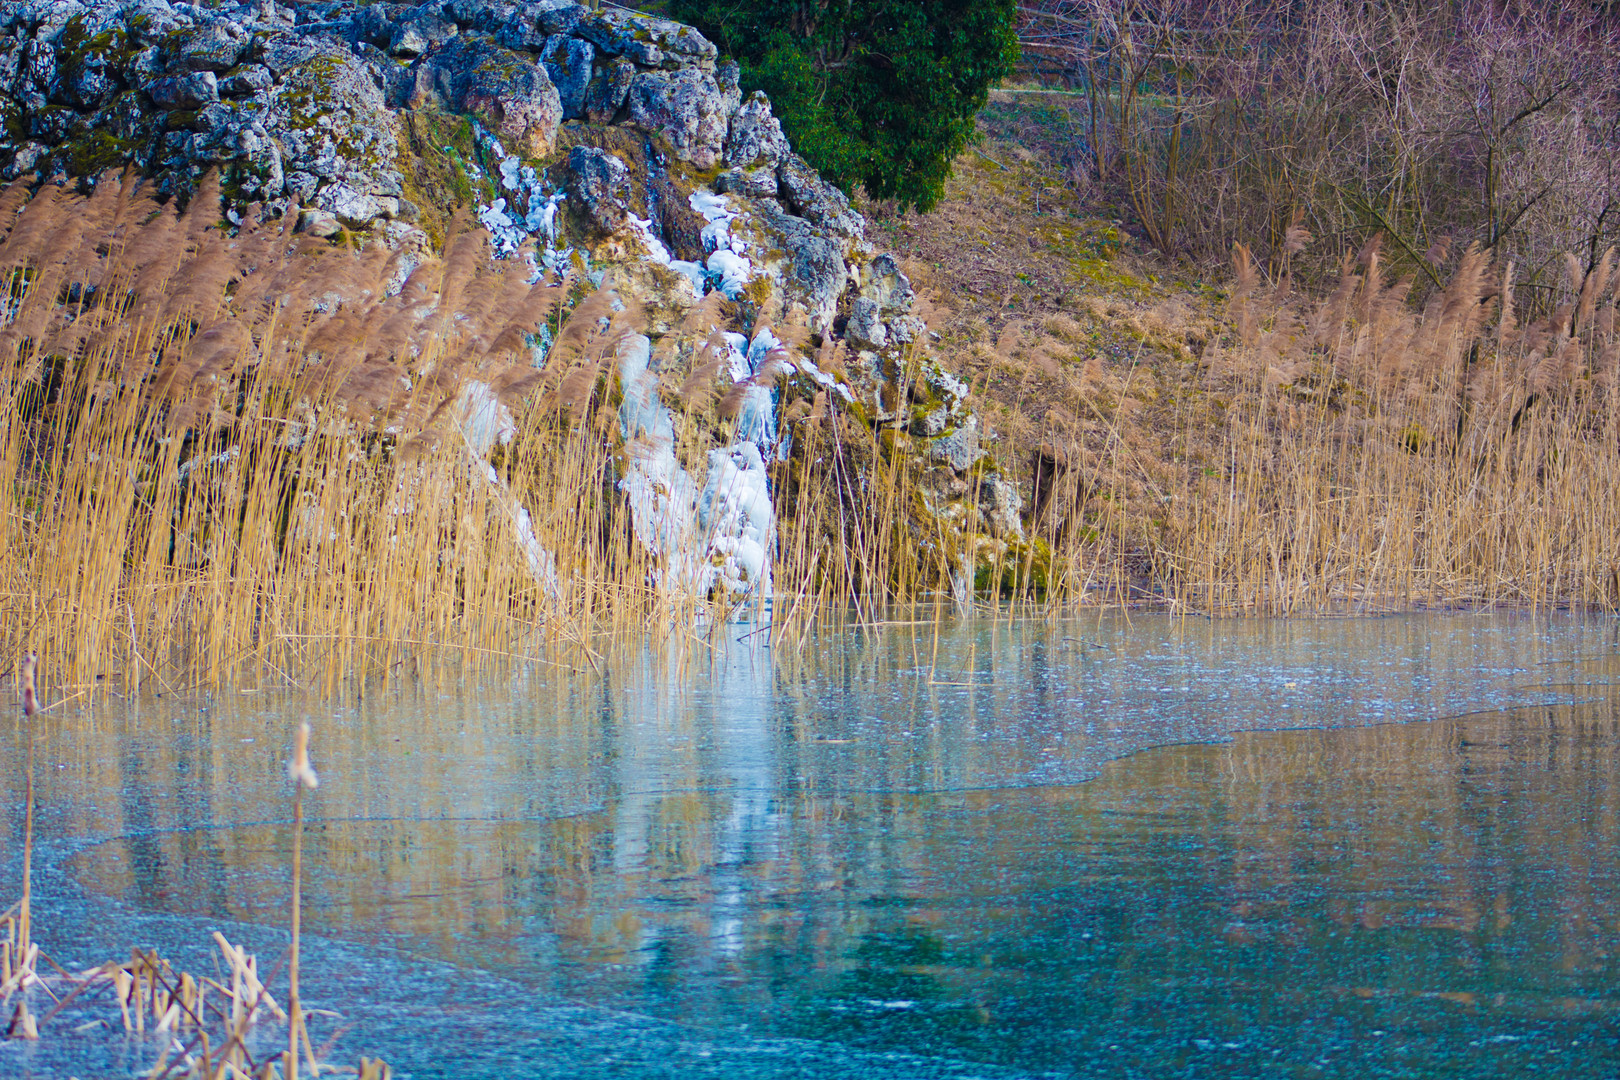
{"type": "Point", "coordinates": [354, 207]}
{"type": "Point", "coordinates": [598, 187]}
{"type": "Point", "coordinates": [328, 117]}
{"type": "Point", "coordinates": [648, 41]}
{"type": "Point", "coordinates": [483, 16]}
{"type": "Point", "coordinates": [534, 21]}
{"type": "Point", "coordinates": [318, 222]}
{"type": "Point", "coordinates": [284, 51]}
{"type": "Point", "coordinates": [728, 77]}
{"type": "Point", "coordinates": [87, 84]}
{"type": "Point", "coordinates": [959, 449]}
{"type": "Point", "coordinates": [246, 81]}
{"type": "Point", "coordinates": [215, 47]}
{"type": "Point", "coordinates": [521, 33]}
{"type": "Point", "coordinates": [512, 95]}
{"type": "Point", "coordinates": [568, 63]}
{"type": "Point", "coordinates": [685, 108]}
{"type": "Point", "coordinates": [806, 194]}
{"type": "Point", "coordinates": [906, 330]}
{"type": "Point", "coordinates": [1002, 506]}
{"type": "Point", "coordinates": [887, 287]}
{"type": "Point", "coordinates": [375, 23]}
{"type": "Point", "coordinates": [865, 329]}
{"type": "Point", "coordinates": [185, 91]}
{"type": "Point", "coordinates": [608, 91]}
{"type": "Point", "coordinates": [36, 70]}
{"type": "Point", "coordinates": [756, 183]}
{"type": "Point", "coordinates": [814, 275]}
{"type": "Point", "coordinates": [408, 40]}
{"type": "Point", "coordinates": [755, 139]}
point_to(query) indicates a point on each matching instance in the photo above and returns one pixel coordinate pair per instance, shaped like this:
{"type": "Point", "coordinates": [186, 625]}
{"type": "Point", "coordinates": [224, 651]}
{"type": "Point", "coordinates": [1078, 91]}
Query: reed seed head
{"type": "Point", "coordinates": [30, 696]}
{"type": "Point", "coordinates": [299, 770]}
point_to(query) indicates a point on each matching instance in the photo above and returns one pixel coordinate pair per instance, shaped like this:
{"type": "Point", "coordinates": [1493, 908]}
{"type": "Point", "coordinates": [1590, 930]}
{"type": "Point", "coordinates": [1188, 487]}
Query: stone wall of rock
{"type": "Point", "coordinates": [609, 140]}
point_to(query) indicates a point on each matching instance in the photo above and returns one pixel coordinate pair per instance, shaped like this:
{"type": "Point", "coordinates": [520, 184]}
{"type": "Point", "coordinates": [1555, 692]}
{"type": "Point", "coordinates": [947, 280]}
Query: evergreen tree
{"type": "Point", "coordinates": [880, 93]}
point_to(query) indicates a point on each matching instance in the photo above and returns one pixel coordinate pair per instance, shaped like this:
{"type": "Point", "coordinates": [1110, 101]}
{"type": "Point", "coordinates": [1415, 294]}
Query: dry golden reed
{"type": "Point", "coordinates": [244, 450]}
{"type": "Point", "coordinates": [1349, 449]}
{"type": "Point", "coordinates": [228, 452]}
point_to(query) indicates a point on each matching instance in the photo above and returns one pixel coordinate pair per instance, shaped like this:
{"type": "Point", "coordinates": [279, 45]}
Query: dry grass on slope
{"type": "Point", "coordinates": [1252, 448]}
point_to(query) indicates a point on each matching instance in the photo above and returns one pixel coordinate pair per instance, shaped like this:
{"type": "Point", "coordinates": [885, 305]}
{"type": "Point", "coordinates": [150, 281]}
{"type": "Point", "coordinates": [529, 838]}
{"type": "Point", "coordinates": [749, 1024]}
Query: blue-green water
{"type": "Point", "coordinates": [1002, 850]}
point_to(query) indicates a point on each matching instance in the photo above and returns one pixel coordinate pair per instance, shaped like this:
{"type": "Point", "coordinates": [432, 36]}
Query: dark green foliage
{"type": "Point", "coordinates": [880, 93]}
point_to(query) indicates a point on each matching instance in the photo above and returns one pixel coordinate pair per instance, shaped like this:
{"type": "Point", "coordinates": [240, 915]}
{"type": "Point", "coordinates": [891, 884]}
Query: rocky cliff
{"type": "Point", "coordinates": [606, 145]}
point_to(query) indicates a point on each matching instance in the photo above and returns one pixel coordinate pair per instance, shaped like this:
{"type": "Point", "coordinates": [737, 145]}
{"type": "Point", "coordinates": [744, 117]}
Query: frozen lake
{"type": "Point", "coordinates": [983, 849]}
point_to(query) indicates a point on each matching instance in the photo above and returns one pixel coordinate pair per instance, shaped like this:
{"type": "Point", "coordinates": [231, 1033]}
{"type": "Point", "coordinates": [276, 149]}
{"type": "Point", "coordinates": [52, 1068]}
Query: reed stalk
{"type": "Point", "coordinates": [28, 673]}
{"type": "Point", "coordinates": [303, 778]}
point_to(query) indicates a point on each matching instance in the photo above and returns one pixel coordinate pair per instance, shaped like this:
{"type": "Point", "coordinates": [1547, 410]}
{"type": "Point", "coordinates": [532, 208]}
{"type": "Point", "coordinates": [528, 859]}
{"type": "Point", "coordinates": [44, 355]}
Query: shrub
{"type": "Point", "coordinates": [1224, 120]}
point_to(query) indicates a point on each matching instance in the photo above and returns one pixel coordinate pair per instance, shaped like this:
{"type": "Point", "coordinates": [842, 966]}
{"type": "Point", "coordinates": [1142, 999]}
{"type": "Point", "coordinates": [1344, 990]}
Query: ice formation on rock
{"type": "Point", "coordinates": [723, 533]}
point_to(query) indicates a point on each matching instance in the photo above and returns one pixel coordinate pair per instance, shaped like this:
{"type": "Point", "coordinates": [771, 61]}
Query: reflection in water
{"type": "Point", "coordinates": [889, 845]}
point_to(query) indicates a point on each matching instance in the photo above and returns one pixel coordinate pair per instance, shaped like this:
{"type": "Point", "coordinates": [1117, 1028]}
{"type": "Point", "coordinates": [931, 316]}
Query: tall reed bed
{"type": "Point", "coordinates": [230, 448]}
{"type": "Point", "coordinates": [233, 449]}
{"type": "Point", "coordinates": [1351, 449]}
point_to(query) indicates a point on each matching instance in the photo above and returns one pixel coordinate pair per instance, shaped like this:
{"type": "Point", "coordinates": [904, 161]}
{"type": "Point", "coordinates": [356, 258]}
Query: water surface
{"type": "Point", "coordinates": [1000, 849]}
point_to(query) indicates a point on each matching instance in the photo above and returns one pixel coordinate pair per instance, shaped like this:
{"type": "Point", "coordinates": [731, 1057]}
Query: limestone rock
{"type": "Point", "coordinates": [185, 91]}
{"type": "Point", "coordinates": [375, 24]}
{"type": "Point", "coordinates": [1001, 504]}
{"type": "Point", "coordinates": [568, 63]}
{"type": "Point", "coordinates": [608, 91]}
{"type": "Point", "coordinates": [648, 41]}
{"type": "Point", "coordinates": [683, 106]}
{"type": "Point", "coordinates": [330, 121]}
{"type": "Point", "coordinates": [865, 328]}
{"type": "Point", "coordinates": [931, 423]}
{"type": "Point", "coordinates": [355, 207]}
{"type": "Point", "coordinates": [522, 32]}
{"type": "Point", "coordinates": [728, 77]}
{"type": "Point", "coordinates": [318, 222]}
{"type": "Point", "coordinates": [513, 97]}
{"type": "Point", "coordinates": [531, 22]}
{"type": "Point", "coordinates": [960, 449]}
{"type": "Point", "coordinates": [907, 329]}
{"type": "Point", "coordinates": [598, 186]}
{"type": "Point", "coordinates": [285, 52]}
{"type": "Point", "coordinates": [756, 138]}
{"type": "Point", "coordinates": [87, 84]}
{"type": "Point", "coordinates": [407, 41]}
{"type": "Point", "coordinates": [758, 183]}
{"type": "Point", "coordinates": [247, 81]}
{"type": "Point", "coordinates": [480, 15]}
{"type": "Point", "coordinates": [815, 274]}
{"type": "Point", "coordinates": [887, 287]}
{"type": "Point", "coordinates": [215, 47]}
{"type": "Point", "coordinates": [806, 194]}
